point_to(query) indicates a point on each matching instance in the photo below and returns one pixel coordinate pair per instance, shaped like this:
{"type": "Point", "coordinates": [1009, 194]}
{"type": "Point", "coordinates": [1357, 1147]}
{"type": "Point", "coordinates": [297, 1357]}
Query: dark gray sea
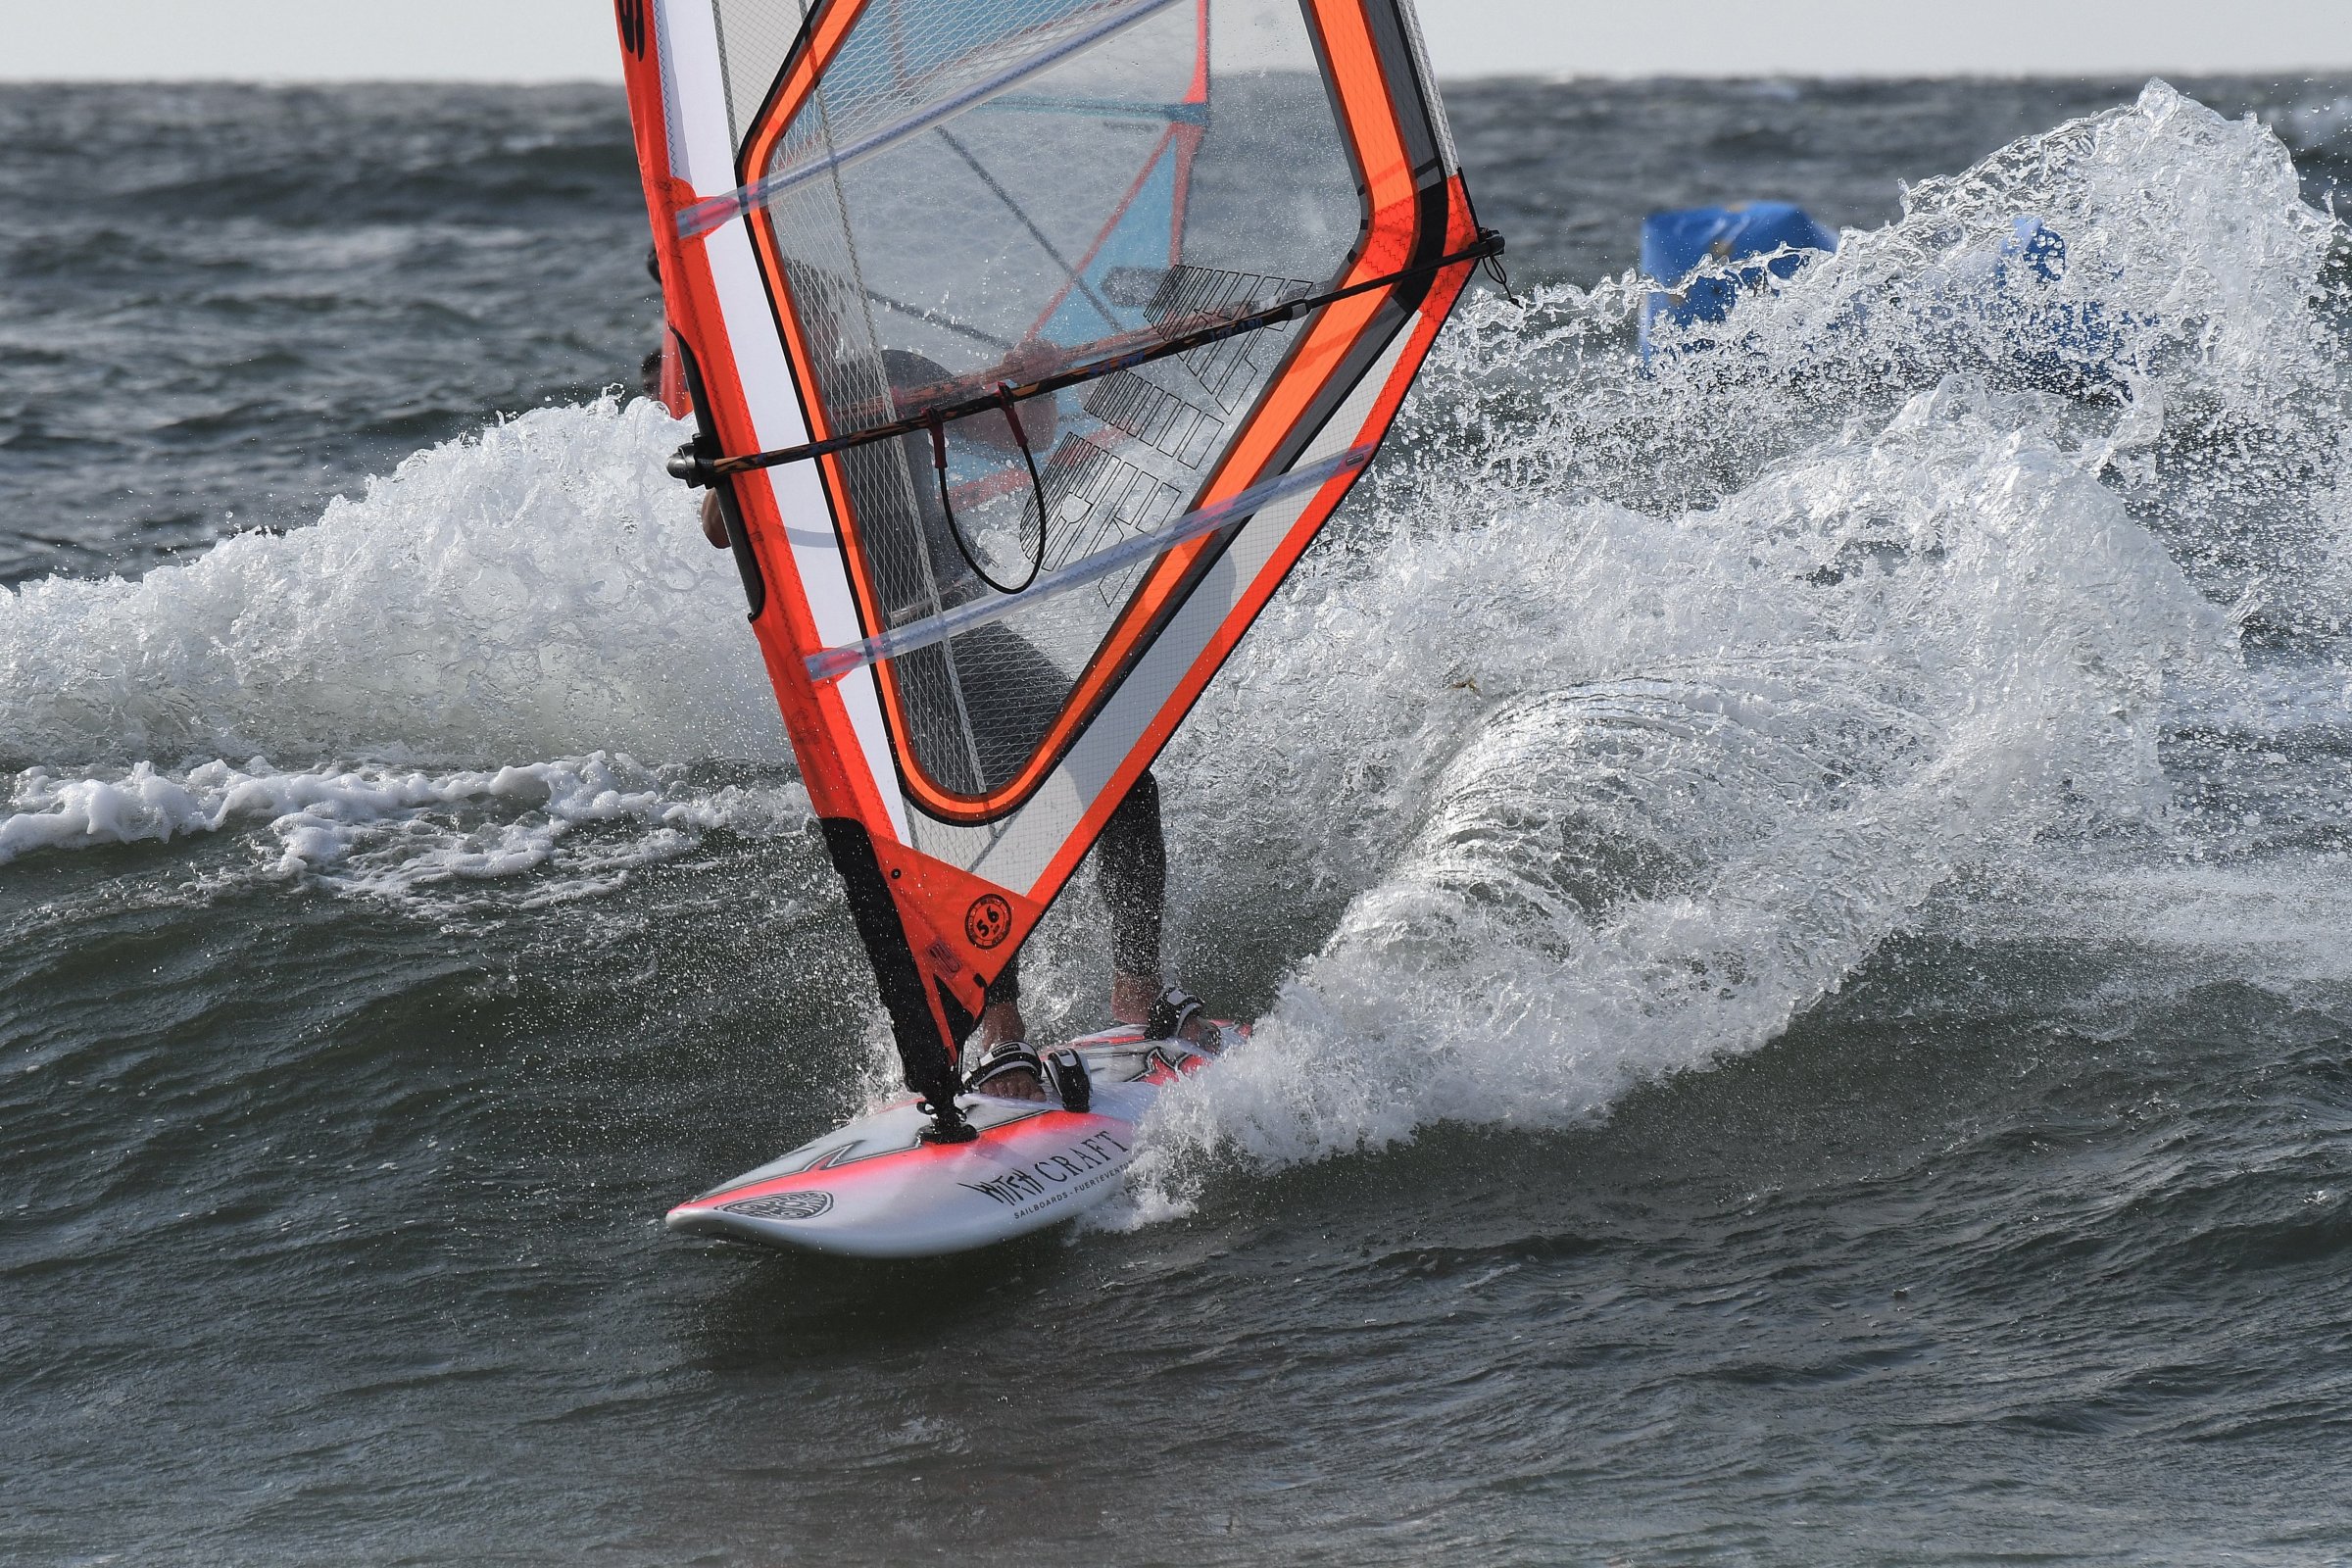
{"type": "Point", "coordinates": [1798, 898]}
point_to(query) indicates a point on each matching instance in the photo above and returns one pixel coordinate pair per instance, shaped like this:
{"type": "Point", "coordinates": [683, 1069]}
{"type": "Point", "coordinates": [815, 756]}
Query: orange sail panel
{"type": "Point", "coordinates": [1223, 234]}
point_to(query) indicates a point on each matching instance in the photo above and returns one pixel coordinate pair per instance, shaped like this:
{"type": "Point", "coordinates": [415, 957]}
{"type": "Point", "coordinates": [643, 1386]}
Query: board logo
{"type": "Point", "coordinates": [632, 26]}
{"type": "Point", "coordinates": [783, 1206]}
{"type": "Point", "coordinates": [989, 922]}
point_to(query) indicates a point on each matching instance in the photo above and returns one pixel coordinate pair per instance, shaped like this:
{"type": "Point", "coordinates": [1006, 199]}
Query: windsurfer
{"type": "Point", "coordinates": [1130, 858]}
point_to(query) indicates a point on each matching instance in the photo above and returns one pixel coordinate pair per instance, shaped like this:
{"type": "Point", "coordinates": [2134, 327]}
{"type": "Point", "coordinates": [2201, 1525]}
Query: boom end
{"type": "Point", "coordinates": [692, 464]}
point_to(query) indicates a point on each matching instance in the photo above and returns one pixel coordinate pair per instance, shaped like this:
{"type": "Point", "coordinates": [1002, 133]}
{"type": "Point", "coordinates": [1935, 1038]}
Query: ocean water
{"type": "Point", "coordinates": [1796, 898]}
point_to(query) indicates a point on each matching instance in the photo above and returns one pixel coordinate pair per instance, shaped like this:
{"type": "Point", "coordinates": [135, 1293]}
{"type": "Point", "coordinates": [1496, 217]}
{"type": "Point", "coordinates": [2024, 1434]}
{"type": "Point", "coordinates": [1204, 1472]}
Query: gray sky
{"type": "Point", "coordinates": [542, 40]}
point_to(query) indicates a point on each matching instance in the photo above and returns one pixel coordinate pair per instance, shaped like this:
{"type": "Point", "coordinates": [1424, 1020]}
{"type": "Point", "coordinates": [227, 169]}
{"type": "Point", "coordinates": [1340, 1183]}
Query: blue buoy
{"type": "Point", "coordinates": [1676, 244]}
{"type": "Point", "coordinates": [2009, 303]}
{"type": "Point", "coordinates": [2036, 243]}
{"type": "Point", "coordinates": [2062, 345]}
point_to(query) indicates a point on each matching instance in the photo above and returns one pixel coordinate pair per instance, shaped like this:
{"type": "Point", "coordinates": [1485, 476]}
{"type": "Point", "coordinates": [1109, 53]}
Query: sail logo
{"type": "Point", "coordinates": [989, 922]}
{"type": "Point", "coordinates": [632, 26]}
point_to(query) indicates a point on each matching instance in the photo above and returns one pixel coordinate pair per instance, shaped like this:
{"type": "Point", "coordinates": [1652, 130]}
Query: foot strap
{"type": "Point", "coordinates": [1175, 1008]}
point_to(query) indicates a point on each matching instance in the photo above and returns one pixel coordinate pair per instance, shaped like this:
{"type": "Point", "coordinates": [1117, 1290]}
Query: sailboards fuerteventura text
{"type": "Point", "coordinates": [1029, 344]}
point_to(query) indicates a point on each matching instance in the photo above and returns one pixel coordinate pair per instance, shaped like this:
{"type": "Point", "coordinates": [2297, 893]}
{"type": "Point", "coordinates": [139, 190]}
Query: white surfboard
{"type": "Point", "coordinates": [873, 1188]}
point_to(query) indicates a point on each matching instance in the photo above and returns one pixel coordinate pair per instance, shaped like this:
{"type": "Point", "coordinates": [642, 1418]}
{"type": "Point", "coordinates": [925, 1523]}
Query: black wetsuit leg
{"type": "Point", "coordinates": [1131, 870]}
{"type": "Point", "coordinates": [993, 720]}
{"type": "Point", "coordinates": [1131, 867]}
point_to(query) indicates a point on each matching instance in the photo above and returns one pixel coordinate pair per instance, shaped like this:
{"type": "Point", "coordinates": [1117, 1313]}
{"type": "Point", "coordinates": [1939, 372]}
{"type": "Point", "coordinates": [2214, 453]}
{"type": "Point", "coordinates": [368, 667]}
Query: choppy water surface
{"type": "Point", "coordinates": [1796, 899]}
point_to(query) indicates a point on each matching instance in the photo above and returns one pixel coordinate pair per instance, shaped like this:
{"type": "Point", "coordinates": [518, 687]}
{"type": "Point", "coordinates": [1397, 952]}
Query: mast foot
{"type": "Point", "coordinates": [948, 1125]}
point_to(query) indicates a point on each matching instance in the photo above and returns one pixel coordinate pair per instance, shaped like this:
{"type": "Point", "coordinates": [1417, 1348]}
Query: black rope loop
{"type": "Point", "coordinates": [939, 460]}
{"type": "Point", "coordinates": [1497, 274]}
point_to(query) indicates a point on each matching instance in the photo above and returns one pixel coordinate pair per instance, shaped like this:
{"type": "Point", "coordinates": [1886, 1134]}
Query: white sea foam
{"type": "Point", "coordinates": [537, 591]}
{"type": "Point", "coordinates": [473, 652]}
{"type": "Point", "coordinates": [380, 829]}
{"type": "Point", "coordinates": [2167, 925]}
{"type": "Point", "coordinates": [1650, 726]}
{"type": "Point", "coordinates": [1664, 819]}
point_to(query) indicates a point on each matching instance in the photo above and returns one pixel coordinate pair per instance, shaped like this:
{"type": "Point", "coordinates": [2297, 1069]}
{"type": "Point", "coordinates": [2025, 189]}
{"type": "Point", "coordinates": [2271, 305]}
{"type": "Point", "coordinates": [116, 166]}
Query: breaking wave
{"type": "Point", "coordinates": [451, 673]}
{"type": "Point", "coordinates": [1630, 710]}
{"type": "Point", "coordinates": [1656, 697]}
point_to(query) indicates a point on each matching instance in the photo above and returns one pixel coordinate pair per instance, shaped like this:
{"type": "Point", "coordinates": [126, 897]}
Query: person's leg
{"type": "Point", "coordinates": [1009, 708]}
{"type": "Point", "coordinates": [1131, 868]}
{"type": "Point", "coordinates": [1009, 692]}
{"type": "Point", "coordinates": [1001, 1020]}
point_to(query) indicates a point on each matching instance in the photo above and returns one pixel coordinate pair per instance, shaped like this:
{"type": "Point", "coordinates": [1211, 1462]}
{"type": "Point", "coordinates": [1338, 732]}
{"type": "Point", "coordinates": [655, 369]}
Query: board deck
{"type": "Point", "coordinates": [872, 1188]}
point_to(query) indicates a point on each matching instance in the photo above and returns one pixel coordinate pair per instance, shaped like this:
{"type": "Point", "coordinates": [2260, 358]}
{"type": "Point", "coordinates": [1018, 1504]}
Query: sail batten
{"type": "Point", "coordinates": [834, 662]}
{"type": "Point", "coordinates": [1111, 298]}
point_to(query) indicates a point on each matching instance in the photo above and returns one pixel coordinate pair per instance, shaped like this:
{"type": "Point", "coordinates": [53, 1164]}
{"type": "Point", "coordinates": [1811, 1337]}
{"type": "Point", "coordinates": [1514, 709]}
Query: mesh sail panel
{"type": "Point", "coordinates": [1439, 125]}
{"type": "Point", "coordinates": [754, 37]}
{"type": "Point", "coordinates": [906, 56]}
{"type": "Point", "coordinates": [1150, 177]}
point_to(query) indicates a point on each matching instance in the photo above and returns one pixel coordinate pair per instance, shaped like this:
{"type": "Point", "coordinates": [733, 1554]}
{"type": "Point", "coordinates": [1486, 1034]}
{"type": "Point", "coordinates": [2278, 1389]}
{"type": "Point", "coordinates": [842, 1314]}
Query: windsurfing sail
{"type": "Point", "coordinates": [1030, 342]}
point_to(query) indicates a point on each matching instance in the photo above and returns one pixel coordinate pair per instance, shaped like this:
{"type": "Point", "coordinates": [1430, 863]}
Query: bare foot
{"type": "Point", "coordinates": [1017, 1084]}
{"type": "Point", "coordinates": [1131, 999]}
{"type": "Point", "coordinates": [1132, 996]}
{"type": "Point", "coordinates": [1000, 1023]}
